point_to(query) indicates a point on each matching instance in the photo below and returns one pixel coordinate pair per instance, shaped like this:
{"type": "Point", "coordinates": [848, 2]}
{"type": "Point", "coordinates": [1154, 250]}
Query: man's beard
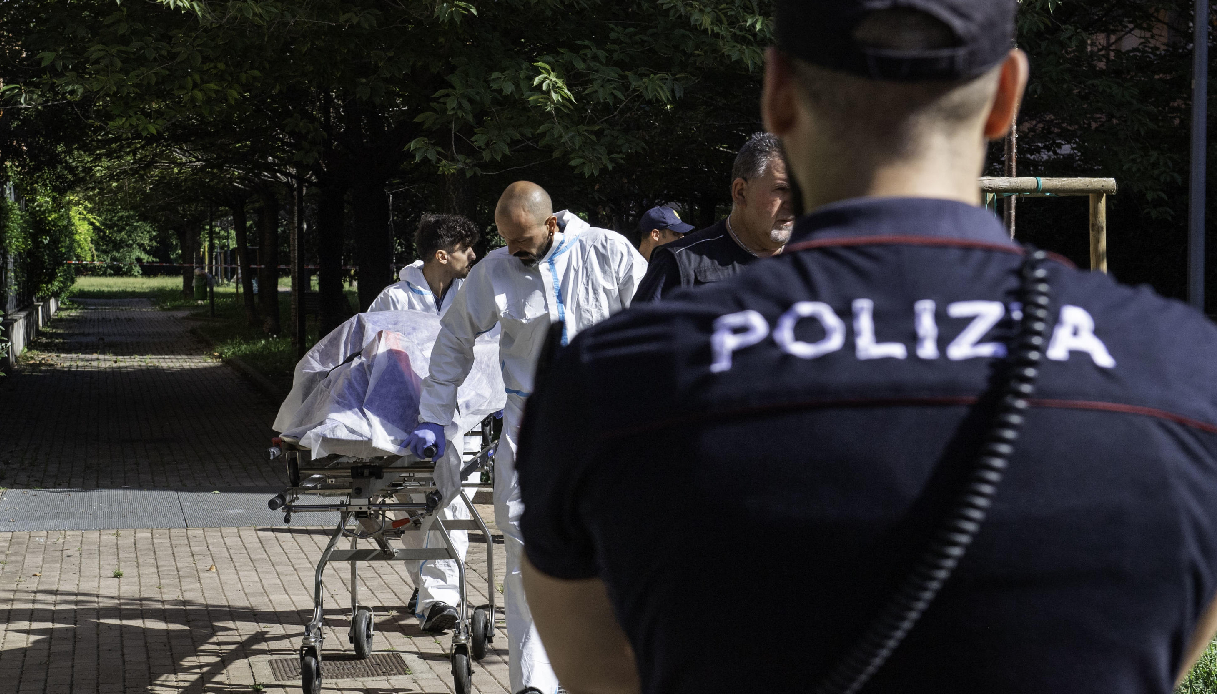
{"type": "Point", "coordinates": [529, 259]}
{"type": "Point", "coordinates": [781, 234]}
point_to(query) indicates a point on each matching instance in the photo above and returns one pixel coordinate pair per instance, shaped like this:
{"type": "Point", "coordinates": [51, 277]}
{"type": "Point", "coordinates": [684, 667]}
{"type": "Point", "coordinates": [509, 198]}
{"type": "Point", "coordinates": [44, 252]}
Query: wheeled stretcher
{"type": "Point", "coordinates": [366, 492]}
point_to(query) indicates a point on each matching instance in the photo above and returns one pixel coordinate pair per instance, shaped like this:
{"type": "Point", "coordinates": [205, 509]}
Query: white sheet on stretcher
{"type": "Point", "coordinates": [366, 407]}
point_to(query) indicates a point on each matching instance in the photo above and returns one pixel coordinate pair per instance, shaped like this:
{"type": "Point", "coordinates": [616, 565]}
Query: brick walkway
{"type": "Point", "coordinates": [120, 395]}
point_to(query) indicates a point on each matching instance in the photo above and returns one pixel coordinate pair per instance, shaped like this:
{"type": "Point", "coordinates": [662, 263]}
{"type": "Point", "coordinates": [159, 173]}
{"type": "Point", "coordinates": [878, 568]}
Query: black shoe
{"type": "Point", "coordinates": [441, 617]}
{"type": "Point", "coordinates": [529, 690]}
{"type": "Point", "coordinates": [412, 606]}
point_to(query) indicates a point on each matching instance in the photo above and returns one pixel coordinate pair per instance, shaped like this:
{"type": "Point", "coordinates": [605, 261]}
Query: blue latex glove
{"type": "Point", "coordinates": [425, 435]}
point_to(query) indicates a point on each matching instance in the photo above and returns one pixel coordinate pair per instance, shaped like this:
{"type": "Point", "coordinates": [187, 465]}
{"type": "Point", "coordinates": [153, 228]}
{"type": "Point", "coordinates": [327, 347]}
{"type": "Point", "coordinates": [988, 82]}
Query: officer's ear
{"type": "Point", "coordinates": [779, 100]}
{"type": "Point", "coordinates": [1010, 86]}
{"type": "Point", "coordinates": [656, 235]}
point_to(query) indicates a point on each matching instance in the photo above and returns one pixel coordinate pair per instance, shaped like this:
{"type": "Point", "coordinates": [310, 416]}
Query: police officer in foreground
{"type": "Point", "coordinates": [824, 413]}
{"type": "Point", "coordinates": [759, 226]}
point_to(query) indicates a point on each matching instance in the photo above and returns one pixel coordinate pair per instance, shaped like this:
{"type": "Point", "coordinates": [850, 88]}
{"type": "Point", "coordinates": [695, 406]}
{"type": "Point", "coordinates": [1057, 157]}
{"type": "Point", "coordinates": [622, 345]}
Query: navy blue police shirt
{"type": "Point", "coordinates": [750, 467]}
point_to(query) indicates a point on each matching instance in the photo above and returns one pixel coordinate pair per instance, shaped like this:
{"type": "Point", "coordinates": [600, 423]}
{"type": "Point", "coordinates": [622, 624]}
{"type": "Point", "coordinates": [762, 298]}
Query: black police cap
{"type": "Point", "coordinates": [821, 32]}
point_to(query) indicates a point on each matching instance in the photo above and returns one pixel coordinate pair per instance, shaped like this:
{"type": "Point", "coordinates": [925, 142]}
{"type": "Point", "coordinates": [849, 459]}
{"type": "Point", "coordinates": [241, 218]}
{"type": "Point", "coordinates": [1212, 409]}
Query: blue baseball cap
{"type": "Point", "coordinates": [821, 32]}
{"type": "Point", "coordinates": [662, 217]}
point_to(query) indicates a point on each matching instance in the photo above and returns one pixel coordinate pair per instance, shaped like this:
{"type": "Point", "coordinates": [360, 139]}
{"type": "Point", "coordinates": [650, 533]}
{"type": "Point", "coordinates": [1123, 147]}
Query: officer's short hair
{"type": "Point", "coordinates": [445, 232]}
{"type": "Point", "coordinates": [754, 157]}
{"type": "Point", "coordinates": [894, 115]}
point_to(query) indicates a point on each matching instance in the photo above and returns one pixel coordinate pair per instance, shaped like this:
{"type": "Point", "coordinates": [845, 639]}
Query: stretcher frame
{"type": "Point", "coordinates": [367, 489]}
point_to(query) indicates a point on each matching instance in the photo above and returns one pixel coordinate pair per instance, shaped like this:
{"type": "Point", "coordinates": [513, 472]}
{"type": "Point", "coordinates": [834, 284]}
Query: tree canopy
{"type": "Point", "coordinates": [163, 110]}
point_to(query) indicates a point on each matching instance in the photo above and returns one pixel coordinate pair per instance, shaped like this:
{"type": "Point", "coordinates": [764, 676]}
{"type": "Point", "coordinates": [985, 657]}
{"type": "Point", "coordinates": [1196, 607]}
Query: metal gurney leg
{"type": "Point", "coordinates": [314, 634]}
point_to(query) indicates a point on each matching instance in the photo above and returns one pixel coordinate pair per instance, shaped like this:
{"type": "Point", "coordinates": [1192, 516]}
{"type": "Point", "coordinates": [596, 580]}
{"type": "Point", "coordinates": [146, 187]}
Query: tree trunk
{"type": "Point", "coordinates": [461, 194]}
{"type": "Point", "coordinates": [240, 226]}
{"type": "Point", "coordinates": [268, 275]}
{"type": "Point", "coordinates": [331, 236]}
{"type": "Point", "coordinates": [188, 244]}
{"type": "Point", "coordinates": [373, 239]}
{"type": "Point", "coordinates": [706, 209]}
{"type": "Point", "coordinates": [299, 274]}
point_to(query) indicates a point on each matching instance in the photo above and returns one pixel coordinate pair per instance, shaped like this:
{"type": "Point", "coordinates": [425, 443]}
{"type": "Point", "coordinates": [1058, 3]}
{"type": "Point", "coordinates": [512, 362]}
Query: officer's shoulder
{"type": "Point", "coordinates": [649, 329]}
{"type": "Point", "coordinates": [1140, 314]}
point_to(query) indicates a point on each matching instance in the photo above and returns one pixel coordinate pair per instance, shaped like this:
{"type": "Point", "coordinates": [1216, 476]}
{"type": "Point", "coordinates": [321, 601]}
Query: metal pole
{"type": "Point", "coordinates": [211, 254]}
{"type": "Point", "coordinates": [1200, 83]}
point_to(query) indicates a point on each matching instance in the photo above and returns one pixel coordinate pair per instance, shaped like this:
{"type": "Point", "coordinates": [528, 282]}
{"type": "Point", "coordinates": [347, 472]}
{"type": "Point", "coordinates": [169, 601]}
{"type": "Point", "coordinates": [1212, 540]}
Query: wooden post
{"type": "Point", "coordinates": [1011, 171]}
{"type": "Point", "coordinates": [1097, 189]}
{"type": "Point", "coordinates": [1098, 232]}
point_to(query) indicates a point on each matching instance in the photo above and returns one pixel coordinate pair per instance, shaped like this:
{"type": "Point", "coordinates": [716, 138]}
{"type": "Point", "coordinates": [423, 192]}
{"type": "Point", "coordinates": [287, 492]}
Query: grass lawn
{"type": "Point", "coordinates": [272, 356]}
{"type": "Point", "coordinates": [165, 292]}
{"type": "Point", "coordinates": [1203, 678]}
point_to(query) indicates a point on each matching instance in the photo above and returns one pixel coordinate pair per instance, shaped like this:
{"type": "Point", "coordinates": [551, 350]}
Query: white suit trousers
{"type": "Point", "coordinates": [527, 660]}
{"type": "Point", "coordinates": [437, 580]}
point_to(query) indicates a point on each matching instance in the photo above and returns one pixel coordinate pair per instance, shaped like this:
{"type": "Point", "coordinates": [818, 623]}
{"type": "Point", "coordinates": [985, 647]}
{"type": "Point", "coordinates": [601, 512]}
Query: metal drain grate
{"type": "Point", "coordinates": [91, 509]}
{"type": "Point", "coordinates": [376, 665]}
{"type": "Point", "coordinates": [113, 509]}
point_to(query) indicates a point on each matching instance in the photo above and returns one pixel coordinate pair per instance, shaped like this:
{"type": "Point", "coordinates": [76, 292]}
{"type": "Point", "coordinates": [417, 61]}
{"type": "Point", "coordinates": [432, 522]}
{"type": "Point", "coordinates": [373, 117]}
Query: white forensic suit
{"type": "Point", "coordinates": [413, 293]}
{"type": "Point", "coordinates": [587, 275]}
{"type": "Point", "coordinates": [436, 580]}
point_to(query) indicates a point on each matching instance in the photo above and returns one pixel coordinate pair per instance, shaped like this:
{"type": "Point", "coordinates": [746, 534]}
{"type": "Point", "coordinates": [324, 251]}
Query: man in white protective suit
{"type": "Point", "coordinates": [555, 269]}
{"type": "Point", "coordinates": [444, 244]}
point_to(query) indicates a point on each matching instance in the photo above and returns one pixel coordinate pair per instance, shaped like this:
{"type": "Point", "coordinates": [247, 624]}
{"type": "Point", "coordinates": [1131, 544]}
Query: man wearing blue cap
{"type": "Point", "coordinates": [658, 226]}
{"type": "Point", "coordinates": [915, 455]}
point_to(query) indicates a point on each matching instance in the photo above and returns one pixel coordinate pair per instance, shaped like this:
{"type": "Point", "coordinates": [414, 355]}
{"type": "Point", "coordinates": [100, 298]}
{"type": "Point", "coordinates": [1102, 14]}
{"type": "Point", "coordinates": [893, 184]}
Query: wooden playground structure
{"type": "Point", "coordinates": [1097, 189]}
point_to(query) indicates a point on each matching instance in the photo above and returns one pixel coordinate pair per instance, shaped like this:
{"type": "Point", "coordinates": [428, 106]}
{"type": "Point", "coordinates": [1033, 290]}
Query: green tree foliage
{"type": "Point", "coordinates": [612, 105]}
{"type": "Point", "coordinates": [44, 236]}
{"type": "Point", "coordinates": [120, 240]}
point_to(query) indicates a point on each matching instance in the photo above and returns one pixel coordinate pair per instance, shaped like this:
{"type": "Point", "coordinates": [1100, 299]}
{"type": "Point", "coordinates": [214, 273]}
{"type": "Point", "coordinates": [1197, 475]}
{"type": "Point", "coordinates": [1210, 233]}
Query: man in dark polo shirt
{"type": "Point", "coordinates": [902, 388]}
{"type": "Point", "coordinates": [758, 227]}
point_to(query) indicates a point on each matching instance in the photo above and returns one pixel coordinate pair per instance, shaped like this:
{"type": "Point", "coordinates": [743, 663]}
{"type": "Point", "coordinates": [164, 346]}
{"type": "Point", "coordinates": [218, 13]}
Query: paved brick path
{"type": "Point", "coordinates": [121, 394]}
{"type": "Point", "coordinates": [147, 407]}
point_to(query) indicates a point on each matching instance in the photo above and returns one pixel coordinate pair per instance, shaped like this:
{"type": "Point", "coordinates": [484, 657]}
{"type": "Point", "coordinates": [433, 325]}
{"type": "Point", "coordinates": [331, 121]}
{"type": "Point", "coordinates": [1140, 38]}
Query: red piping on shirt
{"type": "Point", "coordinates": [1125, 409]}
{"type": "Point", "coordinates": [915, 402]}
{"type": "Point", "coordinates": [916, 241]}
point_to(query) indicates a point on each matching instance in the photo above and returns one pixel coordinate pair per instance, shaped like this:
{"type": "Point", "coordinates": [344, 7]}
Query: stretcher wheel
{"type": "Point", "coordinates": [481, 633]}
{"type": "Point", "coordinates": [310, 675]}
{"type": "Point", "coordinates": [462, 671]}
{"type": "Point", "coordinates": [361, 633]}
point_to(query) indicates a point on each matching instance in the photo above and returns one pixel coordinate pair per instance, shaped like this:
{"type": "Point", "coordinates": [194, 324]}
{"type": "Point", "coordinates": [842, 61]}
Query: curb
{"type": "Point", "coordinates": [259, 381]}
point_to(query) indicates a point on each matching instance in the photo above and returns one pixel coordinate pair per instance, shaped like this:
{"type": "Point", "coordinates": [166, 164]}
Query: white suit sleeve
{"type": "Point", "coordinates": [630, 268]}
{"type": "Point", "coordinates": [473, 312]}
{"type": "Point", "coordinates": [383, 302]}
